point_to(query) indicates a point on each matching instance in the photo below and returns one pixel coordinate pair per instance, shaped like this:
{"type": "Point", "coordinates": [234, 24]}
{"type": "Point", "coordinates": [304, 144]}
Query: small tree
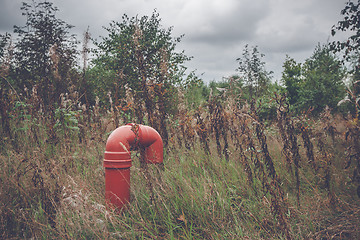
{"type": "Point", "coordinates": [292, 78]}
{"type": "Point", "coordinates": [138, 58]}
{"type": "Point", "coordinates": [316, 83]}
{"type": "Point", "coordinates": [44, 53]}
{"type": "Point", "coordinates": [350, 48]}
{"type": "Point", "coordinates": [322, 83]}
{"type": "Point", "coordinates": [5, 40]}
{"type": "Point", "coordinates": [5, 84]}
{"type": "Point", "coordinates": [252, 72]}
{"type": "Point", "coordinates": [351, 53]}
{"type": "Point", "coordinates": [351, 22]}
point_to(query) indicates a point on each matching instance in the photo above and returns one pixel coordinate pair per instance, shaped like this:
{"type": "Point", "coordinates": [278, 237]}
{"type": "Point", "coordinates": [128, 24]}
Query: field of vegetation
{"type": "Point", "coordinates": [244, 158]}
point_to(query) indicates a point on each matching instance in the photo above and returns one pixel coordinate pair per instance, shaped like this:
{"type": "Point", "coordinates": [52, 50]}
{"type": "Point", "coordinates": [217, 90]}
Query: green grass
{"type": "Point", "coordinates": [57, 192]}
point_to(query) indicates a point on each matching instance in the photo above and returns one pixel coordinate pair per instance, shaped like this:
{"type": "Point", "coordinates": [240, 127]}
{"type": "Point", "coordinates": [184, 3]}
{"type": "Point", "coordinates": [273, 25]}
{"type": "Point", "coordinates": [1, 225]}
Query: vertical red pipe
{"type": "Point", "coordinates": [117, 159]}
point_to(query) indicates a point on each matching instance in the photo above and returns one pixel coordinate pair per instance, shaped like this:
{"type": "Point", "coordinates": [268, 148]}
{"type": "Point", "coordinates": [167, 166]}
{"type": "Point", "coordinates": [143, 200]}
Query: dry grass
{"type": "Point", "coordinates": [225, 176]}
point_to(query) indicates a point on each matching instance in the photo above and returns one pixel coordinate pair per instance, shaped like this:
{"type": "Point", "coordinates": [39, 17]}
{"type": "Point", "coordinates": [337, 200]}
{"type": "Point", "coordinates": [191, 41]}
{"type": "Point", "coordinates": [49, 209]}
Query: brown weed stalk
{"type": "Point", "coordinates": [306, 132]}
{"type": "Point", "coordinates": [326, 160]}
{"type": "Point", "coordinates": [289, 139]}
{"type": "Point", "coordinates": [202, 132]}
{"type": "Point", "coordinates": [279, 205]}
{"type": "Point", "coordinates": [266, 171]}
{"type": "Point", "coordinates": [219, 124]}
{"type": "Point", "coordinates": [353, 153]}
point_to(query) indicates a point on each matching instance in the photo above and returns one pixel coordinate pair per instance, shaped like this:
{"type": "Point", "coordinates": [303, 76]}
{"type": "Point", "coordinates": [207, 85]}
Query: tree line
{"type": "Point", "coordinates": [137, 71]}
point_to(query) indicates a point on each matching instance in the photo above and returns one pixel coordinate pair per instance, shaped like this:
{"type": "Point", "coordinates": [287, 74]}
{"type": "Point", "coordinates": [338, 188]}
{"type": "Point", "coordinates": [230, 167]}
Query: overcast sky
{"type": "Point", "coordinates": [215, 30]}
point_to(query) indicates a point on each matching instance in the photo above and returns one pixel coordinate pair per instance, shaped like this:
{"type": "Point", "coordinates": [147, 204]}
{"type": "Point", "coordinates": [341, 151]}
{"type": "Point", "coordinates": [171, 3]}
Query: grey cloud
{"type": "Point", "coordinates": [238, 24]}
{"type": "Point", "coordinates": [299, 27]}
{"type": "Point", "coordinates": [10, 15]}
{"type": "Point", "coordinates": [215, 30]}
{"type": "Point", "coordinates": [301, 38]}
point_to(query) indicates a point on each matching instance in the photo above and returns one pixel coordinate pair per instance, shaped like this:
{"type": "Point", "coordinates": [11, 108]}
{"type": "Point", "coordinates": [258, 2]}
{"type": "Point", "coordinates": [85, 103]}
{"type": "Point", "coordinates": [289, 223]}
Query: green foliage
{"type": "Point", "coordinates": [351, 20]}
{"type": "Point", "coordinates": [323, 81]}
{"type": "Point", "coordinates": [252, 71]}
{"type": "Point", "coordinates": [292, 78]}
{"type": "Point", "coordinates": [139, 55]}
{"type": "Point", "coordinates": [316, 83]}
{"type": "Point", "coordinates": [219, 87]}
{"type": "Point", "coordinates": [44, 52]}
{"type": "Point", "coordinates": [4, 42]}
{"type": "Point", "coordinates": [21, 114]}
{"type": "Point", "coordinates": [350, 48]}
{"type": "Point", "coordinates": [266, 104]}
{"type": "Point", "coordinates": [6, 52]}
{"type": "Point", "coordinates": [267, 180]}
{"type": "Point", "coordinates": [67, 120]}
{"type": "Point", "coordinates": [229, 87]}
{"type": "Point", "coordinates": [5, 85]}
{"type": "Point", "coordinates": [196, 94]}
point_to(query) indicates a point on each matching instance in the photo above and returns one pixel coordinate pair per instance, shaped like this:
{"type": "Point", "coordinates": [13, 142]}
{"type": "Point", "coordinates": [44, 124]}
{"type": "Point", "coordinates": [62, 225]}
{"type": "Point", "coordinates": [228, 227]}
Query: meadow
{"type": "Point", "coordinates": [226, 175]}
{"type": "Point", "coordinates": [246, 158]}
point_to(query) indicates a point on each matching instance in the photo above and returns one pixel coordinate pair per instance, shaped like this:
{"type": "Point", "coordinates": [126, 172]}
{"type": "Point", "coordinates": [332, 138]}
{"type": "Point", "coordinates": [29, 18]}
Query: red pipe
{"type": "Point", "coordinates": [117, 159]}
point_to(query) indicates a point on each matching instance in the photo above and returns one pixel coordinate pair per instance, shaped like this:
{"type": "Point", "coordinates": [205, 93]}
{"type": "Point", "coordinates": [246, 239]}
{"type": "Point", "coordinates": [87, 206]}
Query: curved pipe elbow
{"type": "Point", "coordinates": [117, 159]}
{"type": "Point", "coordinates": [151, 140]}
{"type": "Point", "coordinates": [126, 138]}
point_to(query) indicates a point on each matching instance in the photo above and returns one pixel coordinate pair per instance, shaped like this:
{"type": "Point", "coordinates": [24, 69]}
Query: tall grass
{"type": "Point", "coordinates": [226, 176]}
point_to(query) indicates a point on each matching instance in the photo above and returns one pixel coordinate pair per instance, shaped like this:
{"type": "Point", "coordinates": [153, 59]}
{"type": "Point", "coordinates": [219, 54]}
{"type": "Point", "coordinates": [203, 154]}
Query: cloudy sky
{"type": "Point", "coordinates": [215, 30]}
